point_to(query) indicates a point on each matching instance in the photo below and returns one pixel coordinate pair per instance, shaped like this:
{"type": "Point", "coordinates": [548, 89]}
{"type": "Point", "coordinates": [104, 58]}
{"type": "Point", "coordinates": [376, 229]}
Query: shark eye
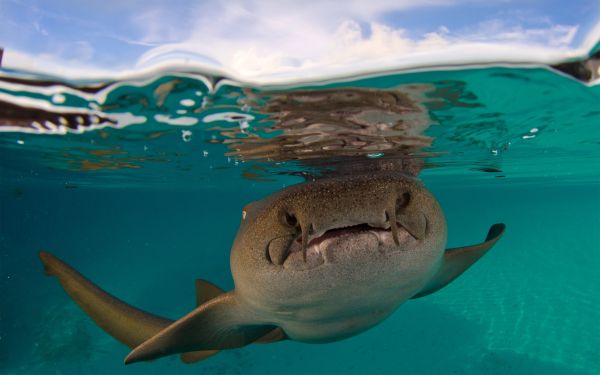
{"type": "Point", "coordinates": [289, 219]}
{"type": "Point", "coordinates": [402, 201]}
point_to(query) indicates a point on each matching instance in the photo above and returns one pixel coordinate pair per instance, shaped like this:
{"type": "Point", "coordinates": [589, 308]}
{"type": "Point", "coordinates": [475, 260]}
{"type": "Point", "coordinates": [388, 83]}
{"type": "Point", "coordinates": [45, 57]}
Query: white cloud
{"type": "Point", "coordinates": [271, 40]}
{"type": "Point", "coordinates": [157, 26]}
{"type": "Point", "coordinates": [498, 30]}
{"type": "Point", "coordinates": [37, 27]}
{"type": "Point", "coordinates": [53, 65]}
{"type": "Point", "coordinates": [296, 44]}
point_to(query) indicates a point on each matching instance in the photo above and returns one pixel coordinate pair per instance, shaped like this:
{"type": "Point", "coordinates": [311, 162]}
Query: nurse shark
{"type": "Point", "coordinates": [315, 262]}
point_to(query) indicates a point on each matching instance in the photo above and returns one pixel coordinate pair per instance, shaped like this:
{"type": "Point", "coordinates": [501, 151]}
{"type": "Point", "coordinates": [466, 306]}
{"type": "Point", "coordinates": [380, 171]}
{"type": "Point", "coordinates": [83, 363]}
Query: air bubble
{"type": "Point", "coordinates": [187, 102]}
{"type": "Point", "coordinates": [58, 98]}
{"type": "Point", "coordinates": [186, 135]}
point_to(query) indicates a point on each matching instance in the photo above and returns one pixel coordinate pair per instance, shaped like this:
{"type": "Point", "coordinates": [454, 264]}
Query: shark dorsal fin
{"type": "Point", "coordinates": [221, 323]}
{"type": "Point", "coordinates": [205, 291]}
{"type": "Point", "coordinates": [458, 259]}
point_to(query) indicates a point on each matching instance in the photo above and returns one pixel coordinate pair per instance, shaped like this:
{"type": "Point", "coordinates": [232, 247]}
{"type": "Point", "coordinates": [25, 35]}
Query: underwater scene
{"type": "Point", "coordinates": [430, 220]}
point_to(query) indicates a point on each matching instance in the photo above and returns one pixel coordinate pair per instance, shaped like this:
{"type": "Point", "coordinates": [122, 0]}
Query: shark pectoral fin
{"type": "Point", "coordinates": [275, 335]}
{"type": "Point", "coordinates": [458, 259]}
{"type": "Point", "coordinates": [221, 323]}
{"type": "Point", "coordinates": [124, 322]}
{"type": "Point", "coordinates": [205, 291]}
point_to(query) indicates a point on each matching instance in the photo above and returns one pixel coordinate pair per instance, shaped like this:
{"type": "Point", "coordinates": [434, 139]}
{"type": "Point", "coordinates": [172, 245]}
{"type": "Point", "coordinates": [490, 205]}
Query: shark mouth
{"type": "Point", "coordinates": [302, 252]}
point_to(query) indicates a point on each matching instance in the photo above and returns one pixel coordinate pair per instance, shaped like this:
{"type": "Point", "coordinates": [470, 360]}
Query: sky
{"type": "Point", "coordinates": [268, 40]}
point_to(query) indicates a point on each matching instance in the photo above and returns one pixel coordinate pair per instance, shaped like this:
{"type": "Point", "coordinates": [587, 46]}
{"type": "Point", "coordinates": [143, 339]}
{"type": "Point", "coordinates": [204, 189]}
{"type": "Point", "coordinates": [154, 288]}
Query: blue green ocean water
{"type": "Point", "coordinates": [139, 185]}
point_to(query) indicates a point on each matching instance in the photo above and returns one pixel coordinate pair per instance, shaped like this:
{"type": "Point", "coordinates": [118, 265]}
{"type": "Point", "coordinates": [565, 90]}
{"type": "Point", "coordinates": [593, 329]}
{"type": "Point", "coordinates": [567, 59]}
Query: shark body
{"type": "Point", "coordinates": [316, 262]}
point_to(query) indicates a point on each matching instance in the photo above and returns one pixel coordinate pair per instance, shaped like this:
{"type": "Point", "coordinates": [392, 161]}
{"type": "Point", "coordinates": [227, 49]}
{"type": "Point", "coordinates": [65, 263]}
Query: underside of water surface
{"type": "Point", "coordinates": [519, 123]}
{"type": "Point", "coordinates": [140, 182]}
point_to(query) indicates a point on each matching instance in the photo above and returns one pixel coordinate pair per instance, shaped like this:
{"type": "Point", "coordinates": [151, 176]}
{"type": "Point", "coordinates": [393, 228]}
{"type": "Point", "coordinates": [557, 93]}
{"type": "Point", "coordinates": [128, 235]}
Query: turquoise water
{"type": "Point", "coordinates": [144, 209]}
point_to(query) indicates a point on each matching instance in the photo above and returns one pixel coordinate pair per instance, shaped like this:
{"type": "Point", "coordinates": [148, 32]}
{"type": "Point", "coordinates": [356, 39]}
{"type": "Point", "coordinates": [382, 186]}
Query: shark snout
{"type": "Point", "coordinates": [314, 219]}
{"type": "Point", "coordinates": [385, 211]}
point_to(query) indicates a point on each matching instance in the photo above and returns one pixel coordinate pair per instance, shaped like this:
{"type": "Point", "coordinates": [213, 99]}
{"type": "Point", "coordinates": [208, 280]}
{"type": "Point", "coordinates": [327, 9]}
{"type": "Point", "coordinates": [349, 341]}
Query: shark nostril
{"type": "Point", "coordinates": [278, 250]}
{"type": "Point", "coordinates": [402, 201]}
{"type": "Point", "coordinates": [289, 219]}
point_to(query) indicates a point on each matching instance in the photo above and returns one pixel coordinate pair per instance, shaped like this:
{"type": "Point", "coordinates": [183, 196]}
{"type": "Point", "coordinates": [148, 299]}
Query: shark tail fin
{"type": "Point", "coordinates": [127, 324]}
{"type": "Point", "coordinates": [457, 260]}
{"type": "Point", "coordinates": [134, 327]}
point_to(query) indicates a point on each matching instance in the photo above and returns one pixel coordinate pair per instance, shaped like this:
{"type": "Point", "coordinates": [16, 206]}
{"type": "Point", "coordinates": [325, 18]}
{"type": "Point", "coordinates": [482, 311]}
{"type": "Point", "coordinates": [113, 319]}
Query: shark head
{"type": "Point", "coordinates": [344, 251]}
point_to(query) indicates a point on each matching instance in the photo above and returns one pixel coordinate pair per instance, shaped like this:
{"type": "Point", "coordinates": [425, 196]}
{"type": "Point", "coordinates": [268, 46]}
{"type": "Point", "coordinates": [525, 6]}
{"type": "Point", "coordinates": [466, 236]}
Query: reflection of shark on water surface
{"type": "Point", "coordinates": [315, 262]}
